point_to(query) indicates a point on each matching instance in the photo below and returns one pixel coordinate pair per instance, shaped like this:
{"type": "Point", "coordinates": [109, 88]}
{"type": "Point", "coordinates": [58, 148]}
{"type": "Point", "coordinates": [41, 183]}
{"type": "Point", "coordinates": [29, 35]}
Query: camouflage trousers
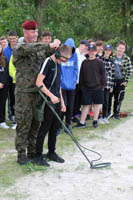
{"type": "Point", "coordinates": [27, 126]}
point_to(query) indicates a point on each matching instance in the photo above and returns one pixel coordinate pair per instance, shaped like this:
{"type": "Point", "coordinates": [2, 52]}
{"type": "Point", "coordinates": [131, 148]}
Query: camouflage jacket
{"type": "Point", "coordinates": [27, 58]}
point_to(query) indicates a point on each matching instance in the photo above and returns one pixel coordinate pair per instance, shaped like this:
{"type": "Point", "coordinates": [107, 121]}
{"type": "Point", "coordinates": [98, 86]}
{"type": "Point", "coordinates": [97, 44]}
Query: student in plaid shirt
{"type": "Point", "coordinates": [122, 70]}
{"type": "Point", "coordinates": [109, 66]}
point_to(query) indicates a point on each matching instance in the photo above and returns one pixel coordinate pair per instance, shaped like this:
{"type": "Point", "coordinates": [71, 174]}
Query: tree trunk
{"type": "Point", "coordinates": [131, 17]}
{"type": "Point", "coordinates": [39, 4]}
{"type": "Point", "coordinates": [124, 28]}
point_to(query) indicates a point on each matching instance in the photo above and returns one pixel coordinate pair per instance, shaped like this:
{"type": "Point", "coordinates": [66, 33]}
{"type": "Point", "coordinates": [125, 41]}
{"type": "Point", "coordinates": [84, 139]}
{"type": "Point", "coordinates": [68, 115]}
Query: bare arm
{"type": "Point", "coordinates": [63, 107]}
{"type": "Point", "coordinates": [39, 82]}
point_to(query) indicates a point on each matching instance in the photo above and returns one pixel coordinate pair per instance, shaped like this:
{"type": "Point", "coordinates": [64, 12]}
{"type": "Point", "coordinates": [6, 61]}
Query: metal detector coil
{"type": "Point", "coordinates": [100, 165]}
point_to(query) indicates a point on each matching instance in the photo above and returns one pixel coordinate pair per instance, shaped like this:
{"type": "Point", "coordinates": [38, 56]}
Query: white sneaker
{"type": "Point", "coordinates": [14, 126]}
{"type": "Point", "coordinates": [4, 125]}
{"type": "Point", "coordinates": [106, 121]}
{"type": "Point", "coordinates": [101, 121]}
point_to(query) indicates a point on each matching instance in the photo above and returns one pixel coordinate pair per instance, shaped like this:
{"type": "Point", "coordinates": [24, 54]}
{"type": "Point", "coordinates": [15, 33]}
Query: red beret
{"type": "Point", "coordinates": [30, 25]}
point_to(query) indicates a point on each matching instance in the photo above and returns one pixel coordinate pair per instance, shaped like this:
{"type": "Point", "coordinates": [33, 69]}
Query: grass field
{"type": "Point", "coordinates": [10, 171]}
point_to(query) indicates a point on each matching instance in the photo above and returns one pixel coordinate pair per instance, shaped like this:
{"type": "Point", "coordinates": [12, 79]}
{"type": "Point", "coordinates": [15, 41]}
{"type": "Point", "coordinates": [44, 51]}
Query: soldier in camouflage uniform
{"type": "Point", "coordinates": [27, 57]}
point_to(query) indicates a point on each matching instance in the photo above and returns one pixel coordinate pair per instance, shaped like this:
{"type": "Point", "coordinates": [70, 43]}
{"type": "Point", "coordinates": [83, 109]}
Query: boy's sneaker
{"type": "Point", "coordinates": [40, 160]}
{"type": "Point", "coordinates": [106, 121]}
{"type": "Point", "coordinates": [79, 125]}
{"type": "Point", "coordinates": [116, 117]}
{"type": "Point", "coordinates": [54, 157]}
{"type": "Point", "coordinates": [12, 119]}
{"type": "Point", "coordinates": [95, 124]}
{"type": "Point", "coordinates": [4, 125]}
{"type": "Point", "coordinates": [14, 126]}
{"type": "Point", "coordinates": [75, 120]}
{"type": "Point", "coordinates": [101, 121]}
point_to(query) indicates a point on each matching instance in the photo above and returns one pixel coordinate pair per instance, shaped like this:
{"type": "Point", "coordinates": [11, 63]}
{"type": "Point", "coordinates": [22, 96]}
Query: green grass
{"type": "Point", "coordinates": [10, 171]}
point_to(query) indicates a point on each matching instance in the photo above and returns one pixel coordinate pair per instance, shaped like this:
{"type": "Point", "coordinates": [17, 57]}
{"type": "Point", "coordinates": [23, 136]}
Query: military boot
{"type": "Point", "coordinates": [31, 157]}
{"type": "Point", "coordinates": [22, 159]}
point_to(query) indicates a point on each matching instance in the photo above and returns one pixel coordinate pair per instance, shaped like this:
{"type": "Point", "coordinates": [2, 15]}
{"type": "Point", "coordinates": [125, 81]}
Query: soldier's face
{"type": "Point", "coordinates": [31, 35]}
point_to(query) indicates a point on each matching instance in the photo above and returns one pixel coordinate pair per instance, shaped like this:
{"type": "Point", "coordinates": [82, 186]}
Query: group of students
{"type": "Point", "coordinates": [7, 85]}
{"type": "Point", "coordinates": [103, 75]}
{"type": "Point", "coordinates": [75, 80]}
{"type": "Point", "coordinates": [112, 82]}
{"type": "Point", "coordinates": [8, 75]}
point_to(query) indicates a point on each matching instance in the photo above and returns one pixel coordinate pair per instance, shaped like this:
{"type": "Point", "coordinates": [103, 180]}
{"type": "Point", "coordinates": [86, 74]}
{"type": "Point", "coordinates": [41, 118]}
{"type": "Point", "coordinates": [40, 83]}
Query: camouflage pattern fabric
{"type": "Point", "coordinates": [27, 58]}
{"type": "Point", "coordinates": [27, 126]}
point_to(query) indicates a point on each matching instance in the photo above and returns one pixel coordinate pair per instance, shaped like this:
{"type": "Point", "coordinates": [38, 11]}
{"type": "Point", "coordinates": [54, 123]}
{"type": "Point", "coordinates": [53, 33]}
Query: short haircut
{"type": "Point", "coordinates": [3, 38]}
{"type": "Point", "coordinates": [65, 50]}
{"type": "Point", "coordinates": [90, 40]}
{"type": "Point", "coordinates": [2, 58]}
{"type": "Point", "coordinates": [121, 42]}
{"type": "Point", "coordinates": [99, 43]}
{"type": "Point", "coordinates": [46, 33]}
{"type": "Point", "coordinates": [12, 33]}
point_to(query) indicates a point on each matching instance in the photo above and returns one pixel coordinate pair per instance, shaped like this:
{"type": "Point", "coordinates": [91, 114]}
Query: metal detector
{"type": "Point", "coordinates": [92, 165]}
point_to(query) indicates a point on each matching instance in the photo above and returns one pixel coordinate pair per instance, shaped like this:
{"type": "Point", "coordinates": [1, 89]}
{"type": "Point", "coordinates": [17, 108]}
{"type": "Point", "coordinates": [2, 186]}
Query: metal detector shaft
{"type": "Point", "coordinates": [63, 124]}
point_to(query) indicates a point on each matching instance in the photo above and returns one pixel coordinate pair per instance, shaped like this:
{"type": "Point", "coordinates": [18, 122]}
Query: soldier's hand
{"type": "Point", "coordinates": [56, 43]}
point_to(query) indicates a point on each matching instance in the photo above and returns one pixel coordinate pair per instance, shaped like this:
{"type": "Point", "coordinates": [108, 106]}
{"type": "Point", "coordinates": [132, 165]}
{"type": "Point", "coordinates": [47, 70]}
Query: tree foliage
{"type": "Point", "coordinates": [80, 19]}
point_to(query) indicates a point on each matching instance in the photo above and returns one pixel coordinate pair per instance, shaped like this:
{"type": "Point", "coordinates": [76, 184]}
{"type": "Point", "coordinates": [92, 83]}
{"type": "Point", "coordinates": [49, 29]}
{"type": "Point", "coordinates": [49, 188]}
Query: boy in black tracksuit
{"type": "Point", "coordinates": [50, 71]}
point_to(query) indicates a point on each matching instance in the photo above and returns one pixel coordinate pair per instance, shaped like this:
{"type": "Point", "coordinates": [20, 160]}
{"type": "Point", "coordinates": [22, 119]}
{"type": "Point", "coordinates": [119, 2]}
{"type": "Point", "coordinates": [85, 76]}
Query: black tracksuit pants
{"type": "Point", "coordinates": [118, 93]}
{"type": "Point", "coordinates": [3, 98]}
{"type": "Point", "coordinates": [11, 98]}
{"type": "Point", "coordinates": [49, 125]}
{"type": "Point", "coordinates": [106, 103]}
{"type": "Point", "coordinates": [68, 96]}
{"type": "Point", "coordinates": [77, 101]}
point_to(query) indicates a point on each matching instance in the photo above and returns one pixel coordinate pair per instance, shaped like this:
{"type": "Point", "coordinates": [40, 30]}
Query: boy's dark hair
{"type": "Point", "coordinates": [46, 33]}
{"type": "Point", "coordinates": [121, 42]}
{"type": "Point", "coordinates": [65, 50]}
{"type": "Point", "coordinates": [99, 43]}
{"type": "Point", "coordinates": [12, 33]}
{"type": "Point", "coordinates": [90, 40]}
{"type": "Point", "coordinates": [2, 57]}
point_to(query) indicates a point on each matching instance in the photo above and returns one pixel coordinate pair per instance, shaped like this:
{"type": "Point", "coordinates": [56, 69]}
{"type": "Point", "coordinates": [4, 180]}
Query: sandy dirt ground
{"type": "Point", "coordinates": [74, 180]}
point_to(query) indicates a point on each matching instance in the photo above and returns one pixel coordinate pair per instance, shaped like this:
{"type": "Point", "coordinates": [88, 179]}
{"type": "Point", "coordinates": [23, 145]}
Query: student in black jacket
{"type": "Point", "coordinates": [3, 88]}
{"type": "Point", "coordinates": [92, 81]}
